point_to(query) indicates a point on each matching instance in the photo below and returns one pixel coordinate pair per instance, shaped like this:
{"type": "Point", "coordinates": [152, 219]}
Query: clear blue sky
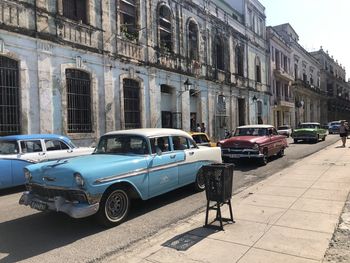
{"type": "Point", "coordinates": [318, 23]}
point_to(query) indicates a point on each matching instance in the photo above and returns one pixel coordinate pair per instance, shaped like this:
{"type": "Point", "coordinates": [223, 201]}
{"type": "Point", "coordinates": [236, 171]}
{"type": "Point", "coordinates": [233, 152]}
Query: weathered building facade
{"type": "Point", "coordinates": [282, 99]}
{"type": "Point", "coordinates": [334, 84]}
{"type": "Point", "coordinates": [86, 67]}
{"type": "Point", "coordinates": [309, 99]}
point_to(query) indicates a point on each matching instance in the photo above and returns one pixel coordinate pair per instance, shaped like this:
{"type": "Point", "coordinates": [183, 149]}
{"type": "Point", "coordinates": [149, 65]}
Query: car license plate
{"type": "Point", "coordinates": [38, 205]}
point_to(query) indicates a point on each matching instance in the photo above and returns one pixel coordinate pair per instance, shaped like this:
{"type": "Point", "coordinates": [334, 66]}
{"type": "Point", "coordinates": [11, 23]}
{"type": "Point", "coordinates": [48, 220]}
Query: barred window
{"type": "Point", "coordinates": [132, 112]}
{"type": "Point", "coordinates": [128, 18]}
{"type": "Point", "coordinates": [9, 97]}
{"type": "Point", "coordinates": [257, 69]}
{"type": "Point", "coordinates": [193, 40]}
{"type": "Point", "coordinates": [165, 28]}
{"type": "Point", "coordinates": [79, 101]}
{"type": "Point", "coordinates": [75, 10]}
{"type": "Point", "coordinates": [219, 55]}
{"type": "Point", "coordinates": [240, 60]}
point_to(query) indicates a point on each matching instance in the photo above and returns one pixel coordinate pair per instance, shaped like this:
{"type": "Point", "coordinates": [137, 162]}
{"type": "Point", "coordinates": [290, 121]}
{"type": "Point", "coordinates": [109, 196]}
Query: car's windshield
{"type": "Point", "coordinates": [335, 123]}
{"type": "Point", "coordinates": [8, 147]}
{"type": "Point", "coordinates": [251, 132]}
{"type": "Point", "coordinates": [200, 138]}
{"type": "Point", "coordinates": [283, 128]}
{"type": "Point", "coordinates": [309, 126]}
{"type": "Point", "coordinates": [122, 144]}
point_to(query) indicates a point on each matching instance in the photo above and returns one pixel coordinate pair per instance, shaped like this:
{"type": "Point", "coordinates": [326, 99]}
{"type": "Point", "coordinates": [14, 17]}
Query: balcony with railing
{"type": "Point", "coordinates": [130, 49]}
{"type": "Point", "coordinates": [79, 33]}
{"type": "Point", "coordinates": [14, 14]}
{"type": "Point", "coordinates": [282, 73]}
{"type": "Point", "coordinates": [285, 101]}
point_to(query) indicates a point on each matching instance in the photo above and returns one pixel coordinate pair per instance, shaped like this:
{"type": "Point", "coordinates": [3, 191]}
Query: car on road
{"type": "Point", "coordinates": [309, 131]}
{"type": "Point", "coordinates": [285, 130]}
{"type": "Point", "coordinates": [334, 127]}
{"type": "Point", "coordinates": [18, 151]}
{"type": "Point", "coordinates": [253, 142]}
{"type": "Point", "coordinates": [126, 165]}
{"type": "Point", "coordinates": [202, 139]}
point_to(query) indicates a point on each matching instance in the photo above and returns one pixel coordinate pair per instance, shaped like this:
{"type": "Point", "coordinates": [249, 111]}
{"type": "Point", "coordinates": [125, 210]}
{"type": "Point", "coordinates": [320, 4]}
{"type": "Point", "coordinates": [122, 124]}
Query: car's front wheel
{"type": "Point", "coordinates": [281, 153]}
{"type": "Point", "coordinates": [264, 159]}
{"type": "Point", "coordinates": [114, 207]}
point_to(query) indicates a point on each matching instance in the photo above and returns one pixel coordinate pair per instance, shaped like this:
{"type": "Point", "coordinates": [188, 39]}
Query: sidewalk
{"type": "Point", "coordinates": [289, 217]}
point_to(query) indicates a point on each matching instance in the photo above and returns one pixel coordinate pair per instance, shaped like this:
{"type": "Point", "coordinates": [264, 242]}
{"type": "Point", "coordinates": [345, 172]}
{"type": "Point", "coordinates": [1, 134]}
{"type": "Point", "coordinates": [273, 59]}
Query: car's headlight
{"type": "Point", "coordinates": [256, 146]}
{"type": "Point", "coordinates": [27, 174]}
{"type": "Point", "coordinates": [79, 180]}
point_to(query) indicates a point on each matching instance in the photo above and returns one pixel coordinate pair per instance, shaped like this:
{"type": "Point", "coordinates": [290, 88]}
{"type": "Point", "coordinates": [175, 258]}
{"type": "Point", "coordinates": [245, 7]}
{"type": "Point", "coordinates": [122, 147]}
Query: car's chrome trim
{"type": "Point", "coordinates": [143, 171]}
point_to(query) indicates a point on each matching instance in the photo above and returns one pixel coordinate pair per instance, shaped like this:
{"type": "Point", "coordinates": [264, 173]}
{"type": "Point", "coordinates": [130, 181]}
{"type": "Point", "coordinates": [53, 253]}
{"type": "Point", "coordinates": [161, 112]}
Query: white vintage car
{"type": "Point", "coordinates": [126, 165]}
{"type": "Point", "coordinates": [17, 151]}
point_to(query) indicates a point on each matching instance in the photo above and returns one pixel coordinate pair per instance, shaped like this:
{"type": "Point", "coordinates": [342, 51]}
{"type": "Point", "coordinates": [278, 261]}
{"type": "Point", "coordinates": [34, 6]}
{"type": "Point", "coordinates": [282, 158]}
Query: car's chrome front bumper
{"type": "Point", "coordinates": [59, 204]}
{"type": "Point", "coordinates": [243, 154]}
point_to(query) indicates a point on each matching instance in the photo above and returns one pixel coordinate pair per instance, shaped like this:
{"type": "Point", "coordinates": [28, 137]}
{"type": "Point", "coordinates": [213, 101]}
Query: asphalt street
{"type": "Point", "coordinates": [32, 236]}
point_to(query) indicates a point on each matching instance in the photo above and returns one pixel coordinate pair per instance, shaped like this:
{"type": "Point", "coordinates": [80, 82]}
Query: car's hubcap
{"type": "Point", "coordinates": [201, 180]}
{"type": "Point", "coordinates": [116, 205]}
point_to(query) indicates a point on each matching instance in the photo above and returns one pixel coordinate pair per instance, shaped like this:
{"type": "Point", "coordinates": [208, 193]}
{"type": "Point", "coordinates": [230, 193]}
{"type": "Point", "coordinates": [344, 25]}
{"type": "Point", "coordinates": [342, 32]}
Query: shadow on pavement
{"type": "Point", "coordinates": [186, 240]}
{"type": "Point", "coordinates": [32, 235]}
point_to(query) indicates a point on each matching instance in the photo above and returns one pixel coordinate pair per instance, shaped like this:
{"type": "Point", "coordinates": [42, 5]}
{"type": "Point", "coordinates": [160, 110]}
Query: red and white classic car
{"type": "Point", "coordinates": [253, 141]}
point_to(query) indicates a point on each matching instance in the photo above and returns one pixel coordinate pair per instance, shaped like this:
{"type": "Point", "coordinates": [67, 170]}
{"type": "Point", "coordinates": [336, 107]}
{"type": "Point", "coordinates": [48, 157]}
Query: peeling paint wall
{"type": "Point", "coordinates": [46, 43]}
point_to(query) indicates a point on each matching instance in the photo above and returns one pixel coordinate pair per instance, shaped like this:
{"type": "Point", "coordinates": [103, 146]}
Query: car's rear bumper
{"type": "Point", "coordinates": [59, 204]}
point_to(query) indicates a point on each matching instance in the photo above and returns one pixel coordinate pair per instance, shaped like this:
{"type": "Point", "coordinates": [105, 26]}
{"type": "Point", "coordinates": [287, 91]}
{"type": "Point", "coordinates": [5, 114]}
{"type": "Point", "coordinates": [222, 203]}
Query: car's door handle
{"type": "Point", "coordinates": [173, 156]}
{"type": "Point", "coordinates": [41, 154]}
{"type": "Point", "coordinates": [70, 151]}
{"type": "Point", "coordinates": [191, 153]}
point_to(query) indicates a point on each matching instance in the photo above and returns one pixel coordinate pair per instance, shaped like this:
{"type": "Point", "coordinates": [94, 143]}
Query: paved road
{"type": "Point", "coordinates": [32, 236]}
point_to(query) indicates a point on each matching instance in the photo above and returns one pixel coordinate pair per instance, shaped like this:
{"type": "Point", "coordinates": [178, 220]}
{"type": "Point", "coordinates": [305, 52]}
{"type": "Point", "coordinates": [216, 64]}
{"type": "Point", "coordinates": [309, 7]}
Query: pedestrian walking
{"type": "Point", "coordinates": [343, 132]}
{"type": "Point", "coordinates": [198, 129]}
{"type": "Point", "coordinates": [202, 127]}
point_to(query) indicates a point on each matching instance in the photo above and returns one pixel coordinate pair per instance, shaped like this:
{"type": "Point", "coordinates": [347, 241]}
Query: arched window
{"type": "Point", "coordinates": [128, 18]}
{"type": "Point", "coordinates": [132, 107]}
{"type": "Point", "coordinates": [75, 10]}
{"type": "Point", "coordinates": [219, 54]}
{"type": "Point", "coordinates": [239, 60]}
{"type": "Point", "coordinates": [260, 111]}
{"type": "Point", "coordinates": [78, 101]}
{"type": "Point", "coordinates": [193, 40]}
{"type": "Point", "coordinates": [9, 97]}
{"type": "Point", "coordinates": [165, 28]}
{"type": "Point", "coordinates": [257, 69]}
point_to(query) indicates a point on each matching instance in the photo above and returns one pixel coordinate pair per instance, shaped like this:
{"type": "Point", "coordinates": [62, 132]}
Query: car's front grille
{"type": "Point", "coordinates": [305, 134]}
{"type": "Point", "coordinates": [50, 193]}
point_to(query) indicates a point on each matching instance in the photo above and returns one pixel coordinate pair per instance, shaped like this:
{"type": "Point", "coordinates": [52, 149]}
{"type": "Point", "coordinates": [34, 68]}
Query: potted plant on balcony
{"type": "Point", "coordinates": [128, 34]}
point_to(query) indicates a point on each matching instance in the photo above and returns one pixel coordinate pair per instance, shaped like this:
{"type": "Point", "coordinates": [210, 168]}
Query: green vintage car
{"type": "Point", "coordinates": [309, 131]}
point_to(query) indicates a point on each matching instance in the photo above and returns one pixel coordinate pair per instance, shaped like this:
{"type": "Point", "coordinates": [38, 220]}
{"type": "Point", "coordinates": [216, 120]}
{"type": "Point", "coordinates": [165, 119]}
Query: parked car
{"type": "Point", "coordinates": [202, 139]}
{"type": "Point", "coordinates": [18, 151]}
{"type": "Point", "coordinates": [334, 127]}
{"type": "Point", "coordinates": [253, 141]}
{"type": "Point", "coordinates": [309, 131]}
{"type": "Point", "coordinates": [138, 163]}
{"type": "Point", "coordinates": [285, 130]}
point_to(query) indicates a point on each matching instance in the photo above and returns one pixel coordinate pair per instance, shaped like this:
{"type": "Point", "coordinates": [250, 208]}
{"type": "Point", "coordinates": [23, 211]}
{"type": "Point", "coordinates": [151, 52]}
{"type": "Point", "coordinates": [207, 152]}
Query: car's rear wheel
{"type": "Point", "coordinates": [295, 141]}
{"type": "Point", "coordinates": [114, 207]}
{"type": "Point", "coordinates": [199, 184]}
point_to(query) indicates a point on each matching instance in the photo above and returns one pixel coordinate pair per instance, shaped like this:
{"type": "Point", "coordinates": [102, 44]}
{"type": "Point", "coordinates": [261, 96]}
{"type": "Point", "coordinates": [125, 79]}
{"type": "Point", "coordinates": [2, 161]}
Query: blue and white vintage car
{"type": "Point", "coordinates": [129, 164]}
{"type": "Point", "coordinates": [18, 151]}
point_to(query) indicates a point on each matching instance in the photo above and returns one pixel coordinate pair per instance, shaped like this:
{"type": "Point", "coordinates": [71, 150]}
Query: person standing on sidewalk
{"type": "Point", "coordinates": [343, 132]}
